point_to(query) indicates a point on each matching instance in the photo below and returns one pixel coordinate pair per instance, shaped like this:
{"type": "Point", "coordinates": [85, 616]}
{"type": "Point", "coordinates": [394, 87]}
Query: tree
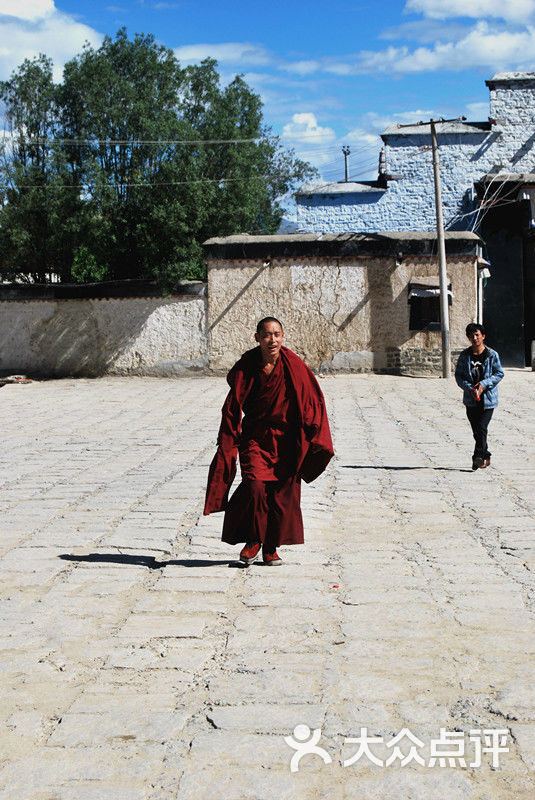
{"type": "Point", "coordinates": [148, 160]}
{"type": "Point", "coordinates": [39, 201]}
{"type": "Point", "coordinates": [244, 178]}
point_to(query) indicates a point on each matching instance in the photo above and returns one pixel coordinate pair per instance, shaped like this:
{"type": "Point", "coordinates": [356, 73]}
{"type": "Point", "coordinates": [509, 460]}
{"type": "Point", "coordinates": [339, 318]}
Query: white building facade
{"type": "Point", "coordinates": [488, 186]}
{"type": "Point", "coordinates": [402, 199]}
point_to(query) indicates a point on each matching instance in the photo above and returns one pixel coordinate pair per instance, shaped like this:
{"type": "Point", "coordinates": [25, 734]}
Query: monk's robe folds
{"type": "Point", "coordinates": [284, 436]}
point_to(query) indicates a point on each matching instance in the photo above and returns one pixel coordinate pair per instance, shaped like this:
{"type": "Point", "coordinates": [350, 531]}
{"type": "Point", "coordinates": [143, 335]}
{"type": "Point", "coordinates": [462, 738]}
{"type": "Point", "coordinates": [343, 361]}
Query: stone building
{"type": "Point", "coordinates": [348, 302]}
{"type": "Point", "coordinates": [488, 185]}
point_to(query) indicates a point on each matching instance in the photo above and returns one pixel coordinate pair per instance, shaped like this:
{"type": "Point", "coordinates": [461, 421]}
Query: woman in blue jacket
{"type": "Point", "coordinates": [478, 373]}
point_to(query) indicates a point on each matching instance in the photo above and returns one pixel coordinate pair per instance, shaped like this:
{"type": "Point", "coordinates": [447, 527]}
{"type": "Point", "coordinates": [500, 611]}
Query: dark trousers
{"type": "Point", "coordinates": [479, 418]}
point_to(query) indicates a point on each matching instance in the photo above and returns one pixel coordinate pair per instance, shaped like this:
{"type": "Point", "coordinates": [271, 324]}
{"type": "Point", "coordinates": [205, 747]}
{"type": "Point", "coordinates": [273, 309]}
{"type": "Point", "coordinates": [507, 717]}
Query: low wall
{"type": "Point", "coordinates": [343, 300]}
{"type": "Point", "coordinates": [160, 336]}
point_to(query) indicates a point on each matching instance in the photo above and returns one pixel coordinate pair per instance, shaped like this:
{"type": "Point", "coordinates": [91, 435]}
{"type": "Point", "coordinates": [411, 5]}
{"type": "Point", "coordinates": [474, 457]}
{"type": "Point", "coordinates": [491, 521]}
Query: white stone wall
{"type": "Point", "coordinates": [408, 203]}
{"type": "Point", "coordinates": [128, 336]}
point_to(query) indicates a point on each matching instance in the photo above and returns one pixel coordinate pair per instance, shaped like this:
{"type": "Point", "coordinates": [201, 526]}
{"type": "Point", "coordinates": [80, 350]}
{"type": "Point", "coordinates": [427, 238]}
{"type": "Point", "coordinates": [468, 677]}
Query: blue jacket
{"type": "Point", "coordinates": [492, 375]}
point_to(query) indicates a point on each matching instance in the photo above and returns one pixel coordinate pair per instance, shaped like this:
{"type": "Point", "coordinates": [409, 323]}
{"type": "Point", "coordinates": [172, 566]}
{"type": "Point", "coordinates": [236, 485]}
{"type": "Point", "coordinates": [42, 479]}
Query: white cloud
{"type": "Point", "coordinates": [272, 78]}
{"type": "Point", "coordinates": [360, 137]}
{"type": "Point", "coordinates": [304, 129]}
{"type": "Point", "coordinates": [317, 65]}
{"type": "Point", "coordinates": [506, 43]}
{"type": "Point", "coordinates": [320, 146]}
{"type": "Point", "coordinates": [476, 112]}
{"type": "Point", "coordinates": [329, 163]}
{"type": "Point", "coordinates": [513, 10]}
{"type": "Point", "coordinates": [225, 53]}
{"type": "Point", "coordinates": [302, 67]}
{"type": "Point", "coordinates": [6, 142]}
{"type": "Point", "coordinates": [364, 153]}
{"type": "Point", "coordinates": [481, 47]}
{"type": "Point", "coordinates": [323, 148]}
{"type": "Point", "coordinates": [27, 9]}
{"type": "Point", "coordinates": [366, 143]}
{"type": "Point", "coordinates": [338, 68]}
{"type": "Point", "coordinates": [312, 142]}
{"type": "Point", "coordinates": [54, 33]}
{"type": "Point", "coordinates": [426, 30]}
{"type": "Point", "coordinates": [372, 121]}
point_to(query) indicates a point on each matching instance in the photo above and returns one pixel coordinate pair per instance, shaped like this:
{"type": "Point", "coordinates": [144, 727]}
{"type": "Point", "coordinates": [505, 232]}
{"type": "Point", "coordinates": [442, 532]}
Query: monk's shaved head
{"type": "Point", "coordinates": [264, 321]}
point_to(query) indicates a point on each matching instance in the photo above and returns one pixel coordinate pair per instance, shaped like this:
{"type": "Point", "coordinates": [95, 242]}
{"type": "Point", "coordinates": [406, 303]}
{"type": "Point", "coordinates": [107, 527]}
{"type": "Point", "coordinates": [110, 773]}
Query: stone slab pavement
{"type": "Point", "coordinates": [139, 662]}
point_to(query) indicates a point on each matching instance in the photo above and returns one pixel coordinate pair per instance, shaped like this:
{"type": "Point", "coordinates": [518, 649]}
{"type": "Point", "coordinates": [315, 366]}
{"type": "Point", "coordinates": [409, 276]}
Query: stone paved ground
{"type": "Point", "coordinates": [140, 663]}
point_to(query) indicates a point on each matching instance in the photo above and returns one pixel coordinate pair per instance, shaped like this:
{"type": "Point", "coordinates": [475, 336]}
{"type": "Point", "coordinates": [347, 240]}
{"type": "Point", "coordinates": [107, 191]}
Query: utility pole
{"type": "Point", "coordinates": [443, 279]}
{"type": "Point", "coordinates": [346, 151]}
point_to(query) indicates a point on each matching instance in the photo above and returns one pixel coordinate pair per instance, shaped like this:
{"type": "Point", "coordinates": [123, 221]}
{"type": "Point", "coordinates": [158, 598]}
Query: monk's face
{"type": "Point", "coordinates": [270, 340]}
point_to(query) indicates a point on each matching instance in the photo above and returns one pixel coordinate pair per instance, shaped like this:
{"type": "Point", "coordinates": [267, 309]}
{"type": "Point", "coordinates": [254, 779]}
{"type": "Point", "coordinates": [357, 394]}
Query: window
{"type": "Point", "coordinates": [424, 302]}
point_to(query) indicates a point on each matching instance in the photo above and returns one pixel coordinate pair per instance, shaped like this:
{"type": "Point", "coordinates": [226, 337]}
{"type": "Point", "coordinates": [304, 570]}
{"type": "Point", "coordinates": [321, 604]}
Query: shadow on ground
{"type": "Point", "coordinates": [385, 466]}
{"type": "Point", "coordinates": [144, 561]}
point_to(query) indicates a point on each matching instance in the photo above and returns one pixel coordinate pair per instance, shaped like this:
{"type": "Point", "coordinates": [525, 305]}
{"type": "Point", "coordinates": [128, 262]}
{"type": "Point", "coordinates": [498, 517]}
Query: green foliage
{"type": "Point", "coordinates": [85, 267]}
{"type": "Point", "coordinates": [41, 208]}
{"type": "Point", "coordinates": [98, 182]}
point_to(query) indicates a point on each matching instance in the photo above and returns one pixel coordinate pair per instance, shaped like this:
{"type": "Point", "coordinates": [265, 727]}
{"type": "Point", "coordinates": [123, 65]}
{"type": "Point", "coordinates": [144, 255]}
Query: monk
{"type": "Point", "coordinates": [275, 418]}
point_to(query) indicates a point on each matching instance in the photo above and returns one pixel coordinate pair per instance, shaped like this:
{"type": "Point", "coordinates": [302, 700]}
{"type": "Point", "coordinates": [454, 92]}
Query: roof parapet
{"type": "Point", "coordinates": [510, 77]}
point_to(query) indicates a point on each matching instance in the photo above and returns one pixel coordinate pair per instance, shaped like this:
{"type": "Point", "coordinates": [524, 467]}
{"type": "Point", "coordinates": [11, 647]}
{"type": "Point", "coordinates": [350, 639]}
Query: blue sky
{"type": "Point", "coordinates": [329, 73]}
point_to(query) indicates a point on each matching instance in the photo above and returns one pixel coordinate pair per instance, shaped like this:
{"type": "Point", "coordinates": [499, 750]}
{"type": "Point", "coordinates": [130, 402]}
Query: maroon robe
{"type": "Point", "coordinates": [284, 436]}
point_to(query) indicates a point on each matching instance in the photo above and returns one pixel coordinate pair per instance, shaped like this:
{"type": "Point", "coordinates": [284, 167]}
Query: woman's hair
{"type": "Point", "coordinates": [266, 320]}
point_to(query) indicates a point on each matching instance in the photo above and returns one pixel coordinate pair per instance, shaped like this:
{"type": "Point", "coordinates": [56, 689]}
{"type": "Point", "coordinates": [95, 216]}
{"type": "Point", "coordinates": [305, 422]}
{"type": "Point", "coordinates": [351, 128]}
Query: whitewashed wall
{"type": "Point", "coordinates": [340, 314]}
{"type": "Point", "coordinates": [127, 336]}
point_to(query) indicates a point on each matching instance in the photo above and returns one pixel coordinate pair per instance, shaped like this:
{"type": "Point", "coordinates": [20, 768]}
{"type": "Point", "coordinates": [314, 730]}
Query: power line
{"type": "Point", "coordinates": [115, 142]}
{"type": "Point", "coordinates": [87, 186]}
{"type": "Point", "coordinates": [165, 142]}
{"type": "Point", "coordinates": [484, 208]}
{"type": "Point", "coordinates": [242, 140]}
{"type": "Point", "coordinates": [491, 200]}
